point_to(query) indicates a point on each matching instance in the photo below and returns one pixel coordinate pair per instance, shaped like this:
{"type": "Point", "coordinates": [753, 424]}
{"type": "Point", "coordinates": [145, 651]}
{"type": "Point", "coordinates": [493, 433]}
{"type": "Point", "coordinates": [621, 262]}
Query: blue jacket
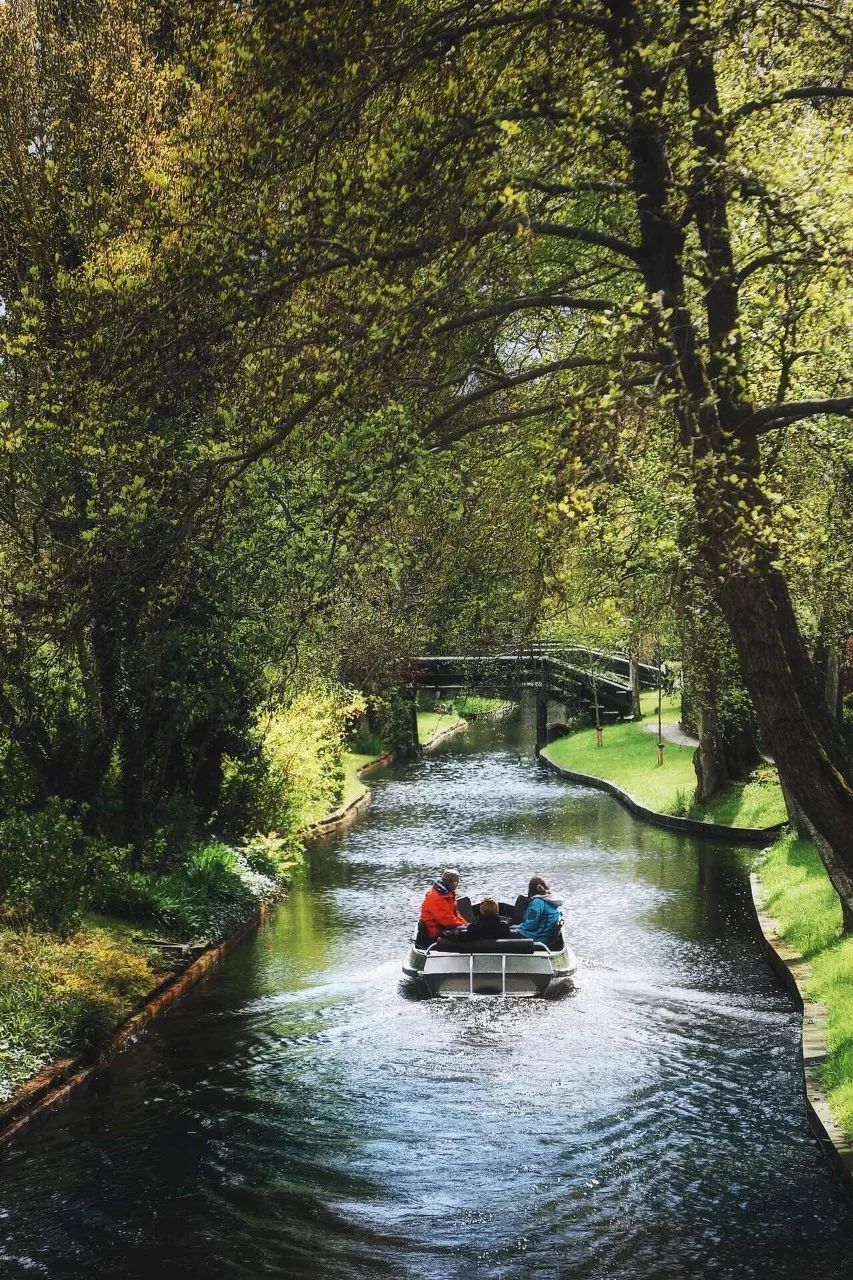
{"type": "Point", "coordinates": [541, 916]}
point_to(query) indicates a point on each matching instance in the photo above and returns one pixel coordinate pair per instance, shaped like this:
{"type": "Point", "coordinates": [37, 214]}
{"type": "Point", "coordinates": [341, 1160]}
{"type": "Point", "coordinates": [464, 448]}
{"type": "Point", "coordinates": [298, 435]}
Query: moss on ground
{"type": "Point", "coordinates": [799, 896]}
{"type": "Point", "coordinates": [629, 758]}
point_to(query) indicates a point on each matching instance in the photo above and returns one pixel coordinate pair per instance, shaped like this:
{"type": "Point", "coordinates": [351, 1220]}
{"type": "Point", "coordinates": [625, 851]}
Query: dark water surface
{"type": "Point", "coordinates": [299, 1117]}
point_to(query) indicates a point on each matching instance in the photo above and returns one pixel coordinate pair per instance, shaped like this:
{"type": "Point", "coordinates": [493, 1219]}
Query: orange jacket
{"type": "Point", "coordinates": [438, 910]}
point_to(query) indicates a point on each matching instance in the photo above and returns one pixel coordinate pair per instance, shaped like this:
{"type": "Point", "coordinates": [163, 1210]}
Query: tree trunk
{"type": "Point", "coordinates": [634, 680]}
{"type": "Point", "coordinates": [133, 787]}
{"type": "Point", "coordinates": [733, 508]}
{"type": "Point", "coordinates": [709, 758]}
{"type": "Point", "coordinates": [797, 820]}
{"type": "Point", "coordinates": [796, 724]}
{"type": "Point", "coordinates": [832, 683]}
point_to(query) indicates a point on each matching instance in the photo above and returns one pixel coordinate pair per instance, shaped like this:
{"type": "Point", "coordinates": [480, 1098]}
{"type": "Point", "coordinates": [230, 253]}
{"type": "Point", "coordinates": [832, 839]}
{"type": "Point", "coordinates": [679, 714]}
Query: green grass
{"type": "Point", "coordinates": [801, 899]}
{"type": "Point", "coordinates": [354, 788]}
{"type": "Point", "coordinates": [477, 704]}
{"type": "Point", "coordinates": [431, 723]}
{"type": "Point", "coordinates": [629, 758]}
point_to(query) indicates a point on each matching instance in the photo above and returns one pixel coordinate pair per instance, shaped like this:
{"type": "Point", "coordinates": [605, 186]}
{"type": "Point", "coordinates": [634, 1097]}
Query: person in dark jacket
{"type": "Point", "coordinates": [438, 909]}
{"type": "Point", "coordinates": [542, 914]}
{"type": "Point", "coordinates": [488, 926]}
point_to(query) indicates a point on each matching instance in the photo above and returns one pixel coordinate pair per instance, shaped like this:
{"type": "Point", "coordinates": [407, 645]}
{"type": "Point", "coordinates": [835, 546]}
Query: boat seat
{"type": "Point", "coordinates": [422, 938]}
{"type": "Point", "coordinates": [499, 946]}
{"type": "Point", "coordinates": [519, 909]}
{"type": "Point", "coordinates": [463, 906]}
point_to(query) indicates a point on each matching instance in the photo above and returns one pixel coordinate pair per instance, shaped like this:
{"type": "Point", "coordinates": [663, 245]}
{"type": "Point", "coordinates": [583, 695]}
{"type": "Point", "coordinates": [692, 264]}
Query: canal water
{"type": "Point", "coordinates": [301, 1116]}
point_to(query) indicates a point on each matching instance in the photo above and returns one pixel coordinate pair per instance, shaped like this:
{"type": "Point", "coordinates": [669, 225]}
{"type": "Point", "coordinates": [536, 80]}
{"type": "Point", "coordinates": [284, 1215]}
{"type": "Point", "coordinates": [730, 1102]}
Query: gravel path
{"type": "Point", "coordinates": [671, 733]}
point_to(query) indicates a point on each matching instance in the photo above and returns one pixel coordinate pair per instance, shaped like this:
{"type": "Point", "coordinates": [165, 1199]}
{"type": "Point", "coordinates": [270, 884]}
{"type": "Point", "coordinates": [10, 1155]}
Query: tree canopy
{"type": "Point", "coordinates": [319, 318]}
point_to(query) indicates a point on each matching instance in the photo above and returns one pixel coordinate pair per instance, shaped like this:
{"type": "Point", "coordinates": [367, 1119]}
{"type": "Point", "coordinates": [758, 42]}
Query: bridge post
{"type": "Point", "coordinates": [541, 721]}
{"type": "Point", "coordinates": [413, 720]}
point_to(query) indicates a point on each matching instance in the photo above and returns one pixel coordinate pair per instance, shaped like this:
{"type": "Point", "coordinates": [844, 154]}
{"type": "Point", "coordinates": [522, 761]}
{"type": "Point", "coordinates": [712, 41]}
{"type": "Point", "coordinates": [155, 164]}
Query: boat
{"type": "Point", "coordinates": [451, 966]}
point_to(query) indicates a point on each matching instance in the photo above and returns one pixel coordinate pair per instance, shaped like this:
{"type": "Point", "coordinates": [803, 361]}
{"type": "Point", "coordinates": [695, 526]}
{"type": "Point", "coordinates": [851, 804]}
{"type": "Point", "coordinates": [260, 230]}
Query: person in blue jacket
{"type": "Point", "coordinates": [542, 914]}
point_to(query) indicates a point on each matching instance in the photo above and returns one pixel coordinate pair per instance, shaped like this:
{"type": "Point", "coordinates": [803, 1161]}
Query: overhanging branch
{"type": "Point", "coordinates": [528, 302]}
{"type": "Point", "coordinates": [805, 93]}
{"type": "Point", "coordinates": [776, 415]}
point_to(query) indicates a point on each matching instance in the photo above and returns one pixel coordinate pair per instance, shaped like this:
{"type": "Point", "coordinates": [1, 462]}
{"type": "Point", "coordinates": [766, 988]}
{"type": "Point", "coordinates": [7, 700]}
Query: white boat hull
{"type": "Point", "coordinates": [459, 973]}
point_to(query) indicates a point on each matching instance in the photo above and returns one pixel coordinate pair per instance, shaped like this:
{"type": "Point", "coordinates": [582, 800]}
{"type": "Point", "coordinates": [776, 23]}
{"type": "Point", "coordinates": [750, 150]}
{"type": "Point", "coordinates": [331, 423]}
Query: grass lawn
{"type": "Point", "coordinates": [354, 788]}
{"type": "Point", "coordinates": [476, 704]}
{"type": "Point", "coordinates": [431, 723]}
{"type": "Point", "coordinates": [799, 896]}
{"type": "Point", "coordinates": [629, 758]}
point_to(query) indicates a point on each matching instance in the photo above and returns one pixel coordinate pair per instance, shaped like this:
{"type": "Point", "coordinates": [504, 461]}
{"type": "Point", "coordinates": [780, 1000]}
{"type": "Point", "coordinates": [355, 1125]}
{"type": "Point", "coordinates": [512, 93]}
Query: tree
{"type": "Point", "coordinates": [624, 147]}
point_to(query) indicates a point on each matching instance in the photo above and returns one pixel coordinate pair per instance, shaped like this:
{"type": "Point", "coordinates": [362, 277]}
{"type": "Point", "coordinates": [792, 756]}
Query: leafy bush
{"type": "Point", "coordinates": [256, 794]}
{"type": "Point", "coordinates": [270, 855]}
{"type": "Point", "coordinates": [48, 872]}
{"type": "Point", "coordinates": [212, 895]}
{"type": "Point", "coordinates": [209, 896]}
{"type": "Point", "coordinates": [682, 804]}
{"type": "Point", "coordinates": [294, 773]}
{"type": "Point", "coordinates": [175, 824]}
{"type": "Point", "coordinates": [365, 743]}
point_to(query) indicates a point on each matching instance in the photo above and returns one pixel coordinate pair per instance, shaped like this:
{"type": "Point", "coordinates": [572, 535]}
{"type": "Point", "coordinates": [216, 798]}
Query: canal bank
{"type": "Point", "coordinates": [57, 1081]}
{"type": "Point", "coordinates": [649, 1126]}
{"type": "Point", "coordinates": [796, 972]}
{"type": "Point", "coordinates": [812, 922]}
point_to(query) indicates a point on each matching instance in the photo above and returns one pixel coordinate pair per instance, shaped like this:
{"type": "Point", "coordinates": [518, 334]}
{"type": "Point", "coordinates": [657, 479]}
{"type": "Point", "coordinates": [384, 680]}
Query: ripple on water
{"type": "Point", "coordinates": [300, 1117]}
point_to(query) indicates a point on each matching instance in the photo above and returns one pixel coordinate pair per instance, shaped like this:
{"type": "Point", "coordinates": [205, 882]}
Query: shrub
{"type": "Point", "coordinates": [256, 793]}
{"type": "Point", "coordinates": [365, 743]}
{"type": "Point", "coordinates": [175, 824]}
{"type": "Point", "coordinates": [271, 855]}
{"type": "Point", "coordinates": [294, 771]}
{"type": "Point", "coordinates": [48, 871]}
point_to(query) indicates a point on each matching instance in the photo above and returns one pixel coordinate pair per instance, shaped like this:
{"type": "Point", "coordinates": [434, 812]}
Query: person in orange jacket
{"type": "Point", "coordinates": [439, 910]}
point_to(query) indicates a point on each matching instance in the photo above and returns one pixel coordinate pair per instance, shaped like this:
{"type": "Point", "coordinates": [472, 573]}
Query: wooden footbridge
{"type": "Point", "coordinates": [572, 675]}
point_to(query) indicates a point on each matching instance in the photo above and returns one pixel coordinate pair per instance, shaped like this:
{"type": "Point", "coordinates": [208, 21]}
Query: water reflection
{"type": "Point", "coordinates": [299, 1118]}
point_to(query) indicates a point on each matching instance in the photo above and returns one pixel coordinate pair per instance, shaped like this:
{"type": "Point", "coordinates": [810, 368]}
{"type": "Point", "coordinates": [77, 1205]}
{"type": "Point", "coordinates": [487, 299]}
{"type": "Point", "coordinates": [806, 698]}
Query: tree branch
{"type": "Point", "coordinates": [805, 92]}
{"type": "Point", "coordinates": [530, 301]}
{"type": "Point", "coordinates": [775, 415]}
{"type": "Point", "coordinates": [519, 380]}
{"type": "Point", "coordinates": [586, 236]}
{"type": "Point", "coordinates": [581, 187]}
{"type": "Point", "coordinates": [519, 415]}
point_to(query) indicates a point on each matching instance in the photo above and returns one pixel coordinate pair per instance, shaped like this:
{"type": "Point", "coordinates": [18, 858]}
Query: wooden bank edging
{"type": "Point", "coordinates": [57, 1082]}
{"type": "Point", "coordinates": [687, 826]}
{"type": "Point", "coordinates": [794, 971]}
